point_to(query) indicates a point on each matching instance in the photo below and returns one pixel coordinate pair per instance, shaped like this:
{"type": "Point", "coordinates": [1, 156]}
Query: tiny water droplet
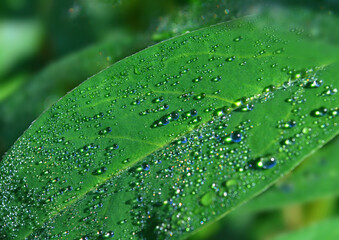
{"type": "Point", "coordinates": [237, 39]}
{"type": "Point", "coordinates": [100, 171]}
{"type": "Point", "coordinates": [230, 59]}
{"type": "Point", "coordinates": [216, 79]}
{"type": "Point", "coordinates": [288, 124]}
{"type": "Point", "coordinates": [196, 80]}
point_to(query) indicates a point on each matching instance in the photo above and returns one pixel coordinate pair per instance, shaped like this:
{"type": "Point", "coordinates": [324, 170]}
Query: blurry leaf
{"type": "Point", "coordinates": [21, 108]}
{"type": "Point", "coordinates": [10, 86]}
{"type": "Point", "coordinates": [173, 137]}
{"type": "Point", "coordinates": [312, 24]}
{"type": "Point", "coordinates": [18, 40]}
{"type": "Point", "coordinates": [318, 16]}
{"type": "Point", "coordinates": [73, 25]}
{"type": "Point", "coordinates": [317, 177]}
{"type": "Point", "coordinates": [69, 28]}
{"type": "Point", "coordinates": [327, 229]}
{"type": "Point", "coordinates": [201, 13]}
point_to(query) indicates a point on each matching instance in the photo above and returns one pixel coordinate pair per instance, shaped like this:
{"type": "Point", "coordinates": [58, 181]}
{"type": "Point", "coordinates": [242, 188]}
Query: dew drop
{"type": "Point", "coordinates": [207, 199]}
{"type": "Point", "coordinates": [288, 124]}
{"type": "Point", "coordinates": [319, 112]}
{"type": "Point", "coordinates": [237, 39]}
{"type": "Point", "coordinates": [236, 137]}
{"type": "Point", "coordinates": [109, 234]}
{"type": "Point", "coordinates": [231, 184]}
{"type": "Point", "coordinates": [216, 79]}
{"type": "Point", "coordinates": [266, 162]}
{"type": "Point", "coordinates": [314, 84]}
{"type": "Point", "coordinates": [230, 59]}
{"type": "Point", "coordinates": [329, 91]}
{"type": "Point", "coordinates": [196, 80]}
{"type": "Point", "coordinates": [100, 171]}
{"type": "Point", "coordinates": [175, 115]}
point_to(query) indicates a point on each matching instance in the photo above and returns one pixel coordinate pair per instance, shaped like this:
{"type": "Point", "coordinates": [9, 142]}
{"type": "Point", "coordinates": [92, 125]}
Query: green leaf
{"type": "Point", "coordinates": [327, 229]}
{"type": "Point", "coordinates": [173, 137]}
{"type": "Point", "coordinates": [11, 86]}
{"type": "Point", "coordinates": [316, 178]}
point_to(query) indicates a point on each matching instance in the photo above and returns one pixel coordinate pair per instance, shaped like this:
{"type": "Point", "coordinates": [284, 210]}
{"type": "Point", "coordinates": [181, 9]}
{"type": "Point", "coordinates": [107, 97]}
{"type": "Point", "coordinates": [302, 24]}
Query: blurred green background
{"type": "Point", "coordinates": [48, 47]}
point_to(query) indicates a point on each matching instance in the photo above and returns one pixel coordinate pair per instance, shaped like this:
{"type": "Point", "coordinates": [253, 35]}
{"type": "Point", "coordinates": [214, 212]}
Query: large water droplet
{"type": "Point", "coordinates": [207, 199]}
{"type": "Point", "coordinates": [320, 112]}
{"type": "Point", "coordinates": [266, 162]}
{"type": "Point", "coordinates": [236, 137]}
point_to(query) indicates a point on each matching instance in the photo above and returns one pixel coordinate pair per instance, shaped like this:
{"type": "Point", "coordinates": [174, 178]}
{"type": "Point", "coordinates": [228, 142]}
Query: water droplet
{"type": "Point", "coordinates": [329, 91]}
{"type": "Point", "coordinates": [247, 107]}
{"type": "Point", "coordinates": [230, 59]}
{"type": "Point", "coordinates": [105, 131]}
{"type": "Point", "coordinates": [200, 96]}
{"type": "Point", "coordinates": [108, 234]}
{"type": "Point", "coordinates": [175, 115]}
{"type": "Point", "coordinates": [196, 80]}
{"type": "Point", "coordinates": [266, 162]}
{"type": "Point", "coordinates": [158, 99]}
{"type": "Point", "coordinates": [231, 184]}
{"type": "Point", "coordinates": [207, 199]}
{"type": "Point", "coordinates": [319, 112]}
{"type": "Point", "coordinates": [236, 137]}
{"type": "Point", "coordinates": [279, 51]}
{"type": "Point", "coordinates": [165, 121]}
{"type": "Point", "coordinates": [334, 112]}
{"type": "Point", "coordinates": [216, 79]}
{"type": "Point", "coordinates": [237, 39]}
{"type": "Point", "coordinates": [194, 112]}
{"type": "Point", "coordinates": [314, 83]}
{"type": "Point", "coordinates": [100, 171]}
{"type": "Point", "coordinates": [288, 124]}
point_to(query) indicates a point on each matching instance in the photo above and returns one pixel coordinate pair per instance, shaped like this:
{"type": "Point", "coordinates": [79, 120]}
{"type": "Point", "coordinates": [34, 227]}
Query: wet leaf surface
{"type": "Point", "coordinates": [173, 137]}
{"type": "Point", "coordinates": [316, 178]}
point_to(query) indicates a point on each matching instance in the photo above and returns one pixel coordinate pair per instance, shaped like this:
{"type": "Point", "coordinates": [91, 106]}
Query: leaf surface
{"type": "Point", "coordinates": [173, 137]}
{"type": "Point", "coordinates": [316, 178]}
